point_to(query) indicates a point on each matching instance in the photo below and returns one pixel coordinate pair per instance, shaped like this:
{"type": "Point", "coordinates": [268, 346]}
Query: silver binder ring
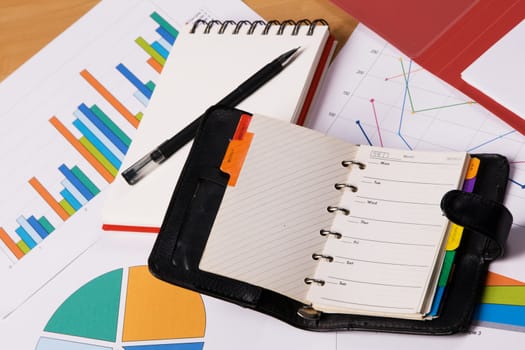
{"type": "Point", "coordinates": [334, 208]}
{"type": "Point", "coordinates": [341, 185]}
{"type": "Point", "coordinates": [324, 232]}
{"type": "Point", "coordinates": [347, 163]}
{"type": "Point", "coordinates": [309, 280]}
{"type": "Point", "coordinates": [317, 256]}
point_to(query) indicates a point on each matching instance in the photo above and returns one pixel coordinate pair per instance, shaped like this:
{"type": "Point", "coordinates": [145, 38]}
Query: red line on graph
{"type": "Point", "coordinates": [377, 122]}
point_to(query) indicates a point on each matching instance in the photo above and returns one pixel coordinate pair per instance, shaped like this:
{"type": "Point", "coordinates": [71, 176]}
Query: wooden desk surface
{"type": "Point", "coordinates": [26, 26]}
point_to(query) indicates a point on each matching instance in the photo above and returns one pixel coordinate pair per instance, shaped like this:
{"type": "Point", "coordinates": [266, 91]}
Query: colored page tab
{"type": "Point", "coordinates": [237, 150]}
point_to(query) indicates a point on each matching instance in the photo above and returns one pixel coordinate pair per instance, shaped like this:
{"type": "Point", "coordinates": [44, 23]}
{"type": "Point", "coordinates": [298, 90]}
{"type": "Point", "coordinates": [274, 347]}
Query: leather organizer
{"type": "Point", "coordinates": [196, 199]}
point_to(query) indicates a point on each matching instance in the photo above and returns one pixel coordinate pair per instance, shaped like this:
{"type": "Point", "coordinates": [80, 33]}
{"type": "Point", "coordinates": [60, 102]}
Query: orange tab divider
{"type": "Point", "coordinates": [237, 150]}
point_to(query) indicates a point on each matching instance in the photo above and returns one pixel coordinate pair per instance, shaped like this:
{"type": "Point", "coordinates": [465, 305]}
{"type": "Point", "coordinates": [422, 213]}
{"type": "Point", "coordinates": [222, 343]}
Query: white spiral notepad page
{"type": "Point", "coordinates": [205, 67]}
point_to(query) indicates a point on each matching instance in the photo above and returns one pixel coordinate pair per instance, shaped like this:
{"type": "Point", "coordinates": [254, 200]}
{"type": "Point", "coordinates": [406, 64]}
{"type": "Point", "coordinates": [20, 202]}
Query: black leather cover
{"type": "Point", "coordinates": [177, 251]}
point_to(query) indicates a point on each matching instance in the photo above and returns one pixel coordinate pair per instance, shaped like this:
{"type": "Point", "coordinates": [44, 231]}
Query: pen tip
{"type": "Point", "coordinates": [286, 57]}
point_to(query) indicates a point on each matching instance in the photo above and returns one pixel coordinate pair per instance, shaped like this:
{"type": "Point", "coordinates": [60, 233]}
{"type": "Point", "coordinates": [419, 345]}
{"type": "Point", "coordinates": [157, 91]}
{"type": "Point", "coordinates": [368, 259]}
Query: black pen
{"type": "Point", "coordinates": [149, 162]}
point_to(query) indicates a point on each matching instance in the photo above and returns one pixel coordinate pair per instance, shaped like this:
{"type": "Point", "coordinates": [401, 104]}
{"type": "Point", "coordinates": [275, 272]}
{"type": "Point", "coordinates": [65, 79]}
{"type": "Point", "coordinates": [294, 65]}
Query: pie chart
{"type": "Point", "coordinates": [127, 309]}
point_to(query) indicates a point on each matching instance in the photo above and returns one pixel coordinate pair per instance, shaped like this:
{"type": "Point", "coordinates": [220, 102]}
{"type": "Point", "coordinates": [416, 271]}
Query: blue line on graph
{"type": "Point", "coordinates": [133, 79]}
{"type": "Point", "coordinates": [517, 183]}
{"type": "Point", "coordinates": [491, 140]}
{"type": "Point", "coordinates": [358, 122]}
{"type": "Point", "coordinates": [407, 78]}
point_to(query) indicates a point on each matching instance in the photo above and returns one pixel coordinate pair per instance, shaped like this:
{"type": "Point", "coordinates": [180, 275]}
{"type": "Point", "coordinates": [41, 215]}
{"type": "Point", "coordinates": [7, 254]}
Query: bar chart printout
{"type": "Point", "coordinates": [82, 99]}
{"type": "Point", "coordinates": [102, 144]}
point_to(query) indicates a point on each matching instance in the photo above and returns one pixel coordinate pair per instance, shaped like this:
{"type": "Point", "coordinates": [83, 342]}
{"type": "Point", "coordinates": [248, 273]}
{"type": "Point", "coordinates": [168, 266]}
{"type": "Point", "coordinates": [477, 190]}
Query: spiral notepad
{"type": "Point", "coordinates": [206, 63]}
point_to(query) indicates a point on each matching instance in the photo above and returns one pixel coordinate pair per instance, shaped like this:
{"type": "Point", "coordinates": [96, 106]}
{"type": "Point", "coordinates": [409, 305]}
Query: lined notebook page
{"type": "Point", "coordinates": [393, 235]}
{"type": "Point", "coordinates": [268, 224]}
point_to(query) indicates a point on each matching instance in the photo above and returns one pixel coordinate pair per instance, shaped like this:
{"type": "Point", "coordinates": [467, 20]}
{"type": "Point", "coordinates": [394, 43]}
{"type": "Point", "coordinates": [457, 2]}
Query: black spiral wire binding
{"type": "Point", "coordinates": [252, 25]}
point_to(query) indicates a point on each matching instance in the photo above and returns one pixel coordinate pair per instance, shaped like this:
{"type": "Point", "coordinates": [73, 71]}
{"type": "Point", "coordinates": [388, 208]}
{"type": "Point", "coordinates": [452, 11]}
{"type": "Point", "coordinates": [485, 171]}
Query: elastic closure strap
{"type": "Point", "coordinates": [481, 215]}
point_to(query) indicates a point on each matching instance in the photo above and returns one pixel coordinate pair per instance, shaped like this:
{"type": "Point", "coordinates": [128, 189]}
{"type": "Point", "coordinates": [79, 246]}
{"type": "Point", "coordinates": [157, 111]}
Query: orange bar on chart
{"type": "Point", "coordinates": [110, 98]}
{"type": "Point", "coordinates": [495, 279]}
{"type": "Point", "coordinates": [155, 65]}
{"type": "Point", "coordinates": [80, 148]}
{"type": "Point", "coordinates": [48, 198]}
{"type": "Point", "coordinates": [4, 237]}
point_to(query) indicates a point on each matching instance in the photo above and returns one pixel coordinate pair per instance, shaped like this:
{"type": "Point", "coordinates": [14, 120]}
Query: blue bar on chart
{"type": "Point", "coordinates": [160, 49]}
{"type": "Point", "coordinates": [133, 79]}
{"type": "Point", "coordinates": [24, 236]}
{"type": "Point", "coordinates": [28, 229]}
{"type": "Point", "coordinates": [105, 126]}
{"type": "Point", "coordinates": [166, 30]}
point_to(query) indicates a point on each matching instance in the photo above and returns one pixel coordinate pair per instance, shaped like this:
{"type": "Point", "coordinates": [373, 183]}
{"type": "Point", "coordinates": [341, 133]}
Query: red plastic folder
{"type": "Point", "coordinates": [444, 36]}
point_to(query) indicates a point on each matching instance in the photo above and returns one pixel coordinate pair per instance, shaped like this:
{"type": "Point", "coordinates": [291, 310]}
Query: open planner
{"type": "Point", "coordinates": [207, 62]}
{"type": "Point", "coordinates": [328, 235]}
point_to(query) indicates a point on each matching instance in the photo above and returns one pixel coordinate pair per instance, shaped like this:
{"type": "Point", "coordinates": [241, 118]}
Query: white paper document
{"type": "Point", "coordinates": [499, 72]}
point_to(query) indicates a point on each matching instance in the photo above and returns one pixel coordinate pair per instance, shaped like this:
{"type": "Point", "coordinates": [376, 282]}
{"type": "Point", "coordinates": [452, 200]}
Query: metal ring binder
{"type": "Point", "coordinates": [309, 313]}
{"type": "Point", "coordinates": [317, 256]}
{"type": "Point", "coordinates": [347, 163]}
{"type": "Point", "coordinates": [324, 232]}
{"type": "Point", "coordinates": [253, 25]}
{"type": "Point", "coordinates": [309, 280]}
{"type": "Point", "coordinates": [334, 208]}
{"type": "Point", "coordinates": [341, 185]}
